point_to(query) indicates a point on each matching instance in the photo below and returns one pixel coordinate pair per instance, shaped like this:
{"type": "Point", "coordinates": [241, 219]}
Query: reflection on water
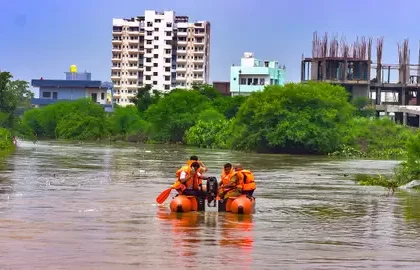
{"type": "Point", "coordinates": [93, 206]}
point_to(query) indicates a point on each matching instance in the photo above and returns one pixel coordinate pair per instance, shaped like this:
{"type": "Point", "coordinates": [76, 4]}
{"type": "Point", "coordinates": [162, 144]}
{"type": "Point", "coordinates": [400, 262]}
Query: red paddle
{"type": "Point", "coordinates": [163, 196]}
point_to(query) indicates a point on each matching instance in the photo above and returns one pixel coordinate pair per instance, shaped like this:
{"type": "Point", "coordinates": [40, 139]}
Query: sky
{"type": "Point", "coordinates": [43, 38]}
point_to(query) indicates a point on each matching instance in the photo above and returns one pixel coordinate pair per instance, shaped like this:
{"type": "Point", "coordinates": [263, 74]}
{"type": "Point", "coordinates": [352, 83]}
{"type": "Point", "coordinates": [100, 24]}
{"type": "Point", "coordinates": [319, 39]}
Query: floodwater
{"type": "Point", "coordinates": [90, 206]}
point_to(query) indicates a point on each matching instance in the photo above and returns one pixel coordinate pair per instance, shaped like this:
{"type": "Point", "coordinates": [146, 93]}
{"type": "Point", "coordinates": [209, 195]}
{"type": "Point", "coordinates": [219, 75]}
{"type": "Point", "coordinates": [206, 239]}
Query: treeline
{"type": "Point", "coordinates": [311, 118]}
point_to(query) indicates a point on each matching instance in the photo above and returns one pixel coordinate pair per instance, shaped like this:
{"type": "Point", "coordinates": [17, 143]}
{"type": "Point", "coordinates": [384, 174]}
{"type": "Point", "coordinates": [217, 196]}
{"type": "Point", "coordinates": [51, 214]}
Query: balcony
{"type": "Point", "coordinates": [199, 52]}
{"type": "Point", "coordinates": [116, 41]}
{"type": "Point", "coordinates": [133, 68]}
{"type": "Point", "coordinates": [116, 49]}
{"type": "Point", "coordinates": [132, 77]}
{"type": "Point", "coordinates": [198, 60]}
{"type": "Point", "coordinates": [115, 77]}
{"type": "Point", "coordinates": [133, 41]}
{"type": "Point", "coordinates": [133, 59]}
{"type": "Point", "coordinates": [182, 42]}
{"type": "Point", "coordinates": [116, 59]}
{"type": "Point", "coordinates": [199, 34]}
{"type": "Point", "coordinates": [133, 50]}
{"type": "Point", "coordinates": [115, 68]}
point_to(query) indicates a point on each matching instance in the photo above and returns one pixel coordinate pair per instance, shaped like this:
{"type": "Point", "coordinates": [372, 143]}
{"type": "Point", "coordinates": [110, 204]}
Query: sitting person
{"type": "Point", "coordinates": [229, 184]}
{"type": "Point", "coordinates": [203, 168]}
{"type": "Point", "coordinates": [189, 180]}
{"type": "Point", "coordinates": [246, 180]}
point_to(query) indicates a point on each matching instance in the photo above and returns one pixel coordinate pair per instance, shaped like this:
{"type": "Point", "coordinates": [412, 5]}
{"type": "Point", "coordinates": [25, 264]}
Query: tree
{"type": "Point", "coordinates": [303, 117]}
{"type": "Point", "coordinates": [174, 114]}
{"type": "Point", "coordinates": [206, 90]}
{"type": "Point", "coordinates": [229, 106]}
{"type": "Point", "coordinates": [144, 98]}
{"type": "Point", "coordinates": [363, 107]}
{"type": "Point", "coordinates": [12, 95]}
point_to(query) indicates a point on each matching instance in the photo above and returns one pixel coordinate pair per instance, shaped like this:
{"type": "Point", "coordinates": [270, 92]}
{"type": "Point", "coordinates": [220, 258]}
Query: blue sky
{"type": "Point", "coordinates": [44, 37]}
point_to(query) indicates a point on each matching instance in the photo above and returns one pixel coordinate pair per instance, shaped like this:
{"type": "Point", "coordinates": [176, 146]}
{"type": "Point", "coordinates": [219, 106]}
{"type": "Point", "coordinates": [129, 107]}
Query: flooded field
{"type": "Point", "coordinates": [90, 206]}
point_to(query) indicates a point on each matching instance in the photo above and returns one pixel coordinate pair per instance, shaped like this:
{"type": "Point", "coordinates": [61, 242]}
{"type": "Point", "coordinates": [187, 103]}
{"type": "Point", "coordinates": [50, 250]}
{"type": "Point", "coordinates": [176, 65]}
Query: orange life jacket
{"type": "Point", "coordinates": [225, 177]}
{"type": "Point", "coordinates": [246, 180]}
{"type": "Point", "coordinates": [193, 182]}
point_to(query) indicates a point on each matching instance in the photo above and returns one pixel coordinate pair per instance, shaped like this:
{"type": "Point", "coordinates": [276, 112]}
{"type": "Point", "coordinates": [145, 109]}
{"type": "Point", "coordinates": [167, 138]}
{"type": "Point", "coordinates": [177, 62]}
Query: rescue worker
{"type": "Point", "coordinates": [229, 184]}
{"type": "Point", "coordinates": [203, 168]}
{"type": "Point", "coordinates": [189, 180]}
{"type": "Point", "coordinates": [246, 179]}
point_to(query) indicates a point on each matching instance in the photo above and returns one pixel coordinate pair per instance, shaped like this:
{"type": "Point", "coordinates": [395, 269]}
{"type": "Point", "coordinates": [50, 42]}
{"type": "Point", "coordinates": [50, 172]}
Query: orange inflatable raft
{"type": "Point", "coordinates": [185, 204]}
{"type": "Point", "coordinates": [243, 204]}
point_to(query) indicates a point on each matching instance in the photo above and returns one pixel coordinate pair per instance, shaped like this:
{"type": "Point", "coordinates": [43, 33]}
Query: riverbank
{"type": "Point", "coordinates": [310, 118]}
{"type": "Point", "coordinates": [6, 142]}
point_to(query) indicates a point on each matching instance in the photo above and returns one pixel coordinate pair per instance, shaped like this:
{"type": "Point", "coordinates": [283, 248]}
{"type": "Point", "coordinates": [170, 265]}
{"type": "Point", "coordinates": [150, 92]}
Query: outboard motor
{"type": "Point", "coordinates": [212, 188]}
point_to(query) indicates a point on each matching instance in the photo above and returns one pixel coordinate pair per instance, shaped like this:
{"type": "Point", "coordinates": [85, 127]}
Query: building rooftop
{"type": "Point", "coordinates": [67, 83]}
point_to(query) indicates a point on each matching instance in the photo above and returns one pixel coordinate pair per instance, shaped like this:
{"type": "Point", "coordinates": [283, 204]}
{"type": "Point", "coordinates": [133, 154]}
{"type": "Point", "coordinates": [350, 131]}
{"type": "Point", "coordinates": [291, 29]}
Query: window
{"type": "Point", "coordinates": [46, 94]}
{"type": "Point", "coordinates": [149, 24]}
{"type": "Point", "coordinates": [148, 77]}
{"type": "Point", "coordinates": [148, 60]}
{"type": "Point", "coordinates": [167, 78]}
{"type": "Point", "coordinates": [262, 81]}
{"type": "Point", "coordinates": [149, 33]}
{"type": "Point", "coordinates": [155, 64]}
{"type": "Point", "coordinates": [168, 24]}
{"type": "Point", "coordinates": [168, 33]}
{"type": "Point", "coordinates": [167, 87]}
{"type": "Point", "coordinates": [154, 82]}
{"type": "Point", "coordinates": [243, 81]}
{"type": "Point", "coordinates": [149, 51]}
{"type": "Point", "coordinates": [255, 81]}
{"type": "Point", "coordinates": [148, 42]}
{"type": "Point", "coordinates": [55, 95]}
{"type": "Point", "coordinates": [148, 69]}
{"type": "Point", "coordinates": [168, 51]}
{"type": "Point", "coordinates": [157, 20]}
{"type": "Point", "coordinates": [167, 69]}
{"type": "Point", "coordinates": [156, 29]}
{"type": "Point", "coordinates": [169, 42]}
{"type": "Point", "coordinates": [102, 95]}
{"type": "Point", "coordinates": [155, 56]}
{"type": "Point", "coordinates": [167, 60]}
{"type": "Point", "coordinates": [155, 73]}
{"type": "Point", "coordinates": [156, 38]}
{"type": "Point", "coordinates": [156, 47]}
{"type": "Point", "coordinates": [249, 81]}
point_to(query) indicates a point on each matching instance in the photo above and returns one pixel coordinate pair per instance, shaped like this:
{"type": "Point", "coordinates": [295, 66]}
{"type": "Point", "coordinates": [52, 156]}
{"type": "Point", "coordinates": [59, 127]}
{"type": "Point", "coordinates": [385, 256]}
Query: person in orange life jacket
{"type": "Point", "coordinates": [229, 184]}
{"type": "Point", "coordinates": [189, 180]}
{"type": "Point", "coordinates": [203, 168]}
{"type": "Point", "coordinates": [246, 179]}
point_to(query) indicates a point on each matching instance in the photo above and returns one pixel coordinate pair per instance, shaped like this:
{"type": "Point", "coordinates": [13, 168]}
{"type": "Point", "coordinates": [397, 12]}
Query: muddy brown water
{"type": "Point", "coordinates": [90, 206]}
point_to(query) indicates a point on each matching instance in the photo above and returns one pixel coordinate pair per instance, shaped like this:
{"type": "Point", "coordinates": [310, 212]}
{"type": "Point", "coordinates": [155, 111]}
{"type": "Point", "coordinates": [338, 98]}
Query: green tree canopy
{"type": "Point", "coordinates": [306, 117]}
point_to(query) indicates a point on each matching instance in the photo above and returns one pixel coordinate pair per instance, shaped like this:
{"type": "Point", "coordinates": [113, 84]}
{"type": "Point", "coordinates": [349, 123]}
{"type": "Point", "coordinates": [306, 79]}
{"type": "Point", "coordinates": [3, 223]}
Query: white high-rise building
{"type": "Point", "coordinates": [158, 49]}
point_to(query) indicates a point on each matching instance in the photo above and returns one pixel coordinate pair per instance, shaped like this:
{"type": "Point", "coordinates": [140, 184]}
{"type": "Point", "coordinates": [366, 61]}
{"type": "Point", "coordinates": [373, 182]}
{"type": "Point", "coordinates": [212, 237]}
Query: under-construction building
{"type": "Point", "coordinates": [393, 89]}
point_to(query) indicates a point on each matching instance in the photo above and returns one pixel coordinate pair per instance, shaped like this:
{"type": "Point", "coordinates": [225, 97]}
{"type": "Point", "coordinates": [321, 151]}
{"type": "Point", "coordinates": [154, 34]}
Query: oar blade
{"type": "Point", "coordinates": [163, 196]}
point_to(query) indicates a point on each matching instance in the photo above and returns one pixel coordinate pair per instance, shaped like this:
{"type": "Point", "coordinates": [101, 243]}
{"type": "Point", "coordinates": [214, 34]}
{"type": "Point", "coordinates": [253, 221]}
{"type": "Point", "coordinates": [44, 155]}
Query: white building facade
{"type": "Point", "coordinates": [159, 49]}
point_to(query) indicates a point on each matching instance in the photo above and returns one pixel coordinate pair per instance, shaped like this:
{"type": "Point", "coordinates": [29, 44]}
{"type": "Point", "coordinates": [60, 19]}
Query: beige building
{"type": "Point", "coordinates": [159, 49]}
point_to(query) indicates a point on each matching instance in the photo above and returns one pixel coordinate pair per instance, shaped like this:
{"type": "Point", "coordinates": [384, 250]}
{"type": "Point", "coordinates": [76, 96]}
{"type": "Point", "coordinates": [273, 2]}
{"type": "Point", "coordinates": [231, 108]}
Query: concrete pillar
{"type": "Point", "coordinates": [378, 96]}
{"type": "Point", "coordinates": [404, 115]}
{"type": "Point", "coordinates": [403, 97]}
